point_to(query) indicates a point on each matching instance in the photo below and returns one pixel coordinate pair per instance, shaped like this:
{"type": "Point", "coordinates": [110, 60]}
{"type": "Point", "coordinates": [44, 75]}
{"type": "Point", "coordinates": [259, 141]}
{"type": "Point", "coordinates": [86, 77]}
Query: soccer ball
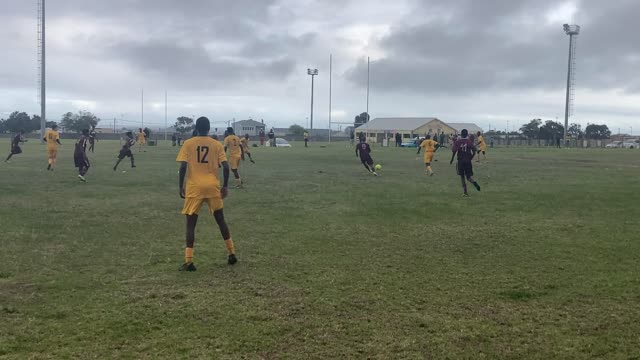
{"type": "Point", "coordinates": [378, 167]}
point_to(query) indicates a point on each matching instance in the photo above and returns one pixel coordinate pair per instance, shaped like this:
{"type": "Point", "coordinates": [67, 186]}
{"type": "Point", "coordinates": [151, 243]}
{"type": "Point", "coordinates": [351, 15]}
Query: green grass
{"type": "Point", "coordinates": [334, 263]}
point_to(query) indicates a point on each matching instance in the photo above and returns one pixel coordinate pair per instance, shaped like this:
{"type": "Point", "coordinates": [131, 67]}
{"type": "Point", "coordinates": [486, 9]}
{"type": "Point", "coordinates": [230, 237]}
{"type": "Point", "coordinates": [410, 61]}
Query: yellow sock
{"type": "Point", "coordinates": [230, 248]}
{"type": "Point", "coordinates": [429, 169]}
{"type": "Point", "coordinates": [49, 161]}
{"type": "Point", "coordinates": [188, 255]}
{"type": "Point", "coordinates": [238, 181]}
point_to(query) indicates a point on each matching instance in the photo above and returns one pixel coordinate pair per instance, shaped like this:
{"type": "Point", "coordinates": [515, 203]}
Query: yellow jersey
{"type": "Point", "coordinates": [141, 138]}
{"type": "Point", "coordinates": [203, 156]}
{"type": "Point", "coordinates": [481, 144]}
{"type": "Point", "coordinates": [233, 143]}
{"type": "Point", "coordinates": [429, 145]}
{"type": "Point", "coordinates": [245, 144]}
{"type": "Point", "coordinates": [52, 137]}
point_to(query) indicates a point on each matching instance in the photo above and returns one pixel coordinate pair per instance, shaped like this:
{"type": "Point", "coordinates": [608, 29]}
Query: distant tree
{"type": "Point", "coordinates": [597, 132]}
{"type": "Point", "coordinates": [78, 122]}
{"type": "Point", "coordinates": [532, 129]}
{"type": "Point", "coordinates": [3, 127]}
{"type": "Point", "coordinates": [551, 130]}
{"type": "Point", "coordinates": [184, 125]}
{"type": "Point", "coordinates": [296, 130]}
{"type": "Point", "coordinates": [147, 132]}
{"type": "Point", "coordinates": [20, 121]}
{"type": "Point", "coordinates": [575, 131]}
{"type": "Point", "coordinates": [361, 120]}
{"type": "Point", "coordinates": [49, 124]}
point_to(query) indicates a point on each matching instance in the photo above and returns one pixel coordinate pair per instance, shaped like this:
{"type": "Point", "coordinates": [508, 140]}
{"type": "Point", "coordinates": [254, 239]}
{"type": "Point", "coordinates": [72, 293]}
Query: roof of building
{"type": "Point", "coordinates": [472, 128]}
{"type": "Point", "coordinates": [249, 122]}
{"type": "Point", "coordinates": [395, 124]}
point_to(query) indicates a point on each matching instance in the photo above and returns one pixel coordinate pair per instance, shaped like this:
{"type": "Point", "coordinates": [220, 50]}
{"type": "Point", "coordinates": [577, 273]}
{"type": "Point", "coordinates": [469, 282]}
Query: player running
{"type": "Point", "coordinates": [126, 150]}
{"type": "Point", "coordinates": [236, 153]}
{"type": "Point", "coordinates": [430, 147]}
{"type": "Point", "coordinates": [15, 144]}
{"type": "Point", "coordinates": [465, 149]}
{"type": "Point", "coordinates": [364, 151]}
{"type": "Point", "coordinates": [93, 137]}
{"type": "Point", "coordinates": [80, 155]}
{"type": "Point", "coordinates": [245, 147]}
{"type": "Point", "coordinates": [200, 158]}
{"type": "Point", "coordinates": [142, 140]}
{"type": "Point", "coordinates": [52, 137]}
{"type": "Point", "coordinates": [482, 146]}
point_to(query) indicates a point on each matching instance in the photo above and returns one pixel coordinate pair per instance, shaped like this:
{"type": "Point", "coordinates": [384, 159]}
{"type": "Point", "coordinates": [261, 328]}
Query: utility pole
{"type": "Point", "coordinates": [572, 31]}
{"type": "Point", "coordinates": [43, 66]}
{"type": "Point", "coordinates": [313, 73]}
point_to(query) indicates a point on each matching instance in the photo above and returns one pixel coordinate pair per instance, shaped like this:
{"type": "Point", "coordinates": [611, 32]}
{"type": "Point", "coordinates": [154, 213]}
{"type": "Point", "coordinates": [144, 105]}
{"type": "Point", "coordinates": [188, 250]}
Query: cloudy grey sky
{"type": "Point", "coordinates": [488, 62]}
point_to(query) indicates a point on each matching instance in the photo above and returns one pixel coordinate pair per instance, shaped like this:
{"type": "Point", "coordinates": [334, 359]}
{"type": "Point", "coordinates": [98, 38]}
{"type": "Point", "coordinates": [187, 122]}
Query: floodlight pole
{"type": "Point", "coordinates": [330, 83]}
{"type": "Point", "coordinates": [571, 30]}
{"type": "Point", "coordinates": [43, 87]}
{"type": "Point", "coordinates": [313, 73]}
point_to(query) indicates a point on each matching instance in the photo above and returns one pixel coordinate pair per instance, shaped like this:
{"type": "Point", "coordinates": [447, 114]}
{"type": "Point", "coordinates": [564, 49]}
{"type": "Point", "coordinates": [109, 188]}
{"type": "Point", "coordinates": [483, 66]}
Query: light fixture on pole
{"type": "Point", "coordinates": [572, 31]}
{"type": "Point", "coordinates": [313, 73]}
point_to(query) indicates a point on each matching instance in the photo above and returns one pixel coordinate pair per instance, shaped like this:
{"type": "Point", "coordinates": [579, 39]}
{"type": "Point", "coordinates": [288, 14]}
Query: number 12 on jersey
{"type": "Point", "coordinates": [202, 153]}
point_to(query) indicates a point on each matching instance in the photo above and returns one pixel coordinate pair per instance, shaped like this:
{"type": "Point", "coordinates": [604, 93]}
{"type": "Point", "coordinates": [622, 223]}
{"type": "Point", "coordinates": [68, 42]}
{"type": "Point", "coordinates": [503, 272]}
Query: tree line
{"type": "Point", "coordinates": [74, 122]}
{"type": "Point", "coordinates": [552, 130]}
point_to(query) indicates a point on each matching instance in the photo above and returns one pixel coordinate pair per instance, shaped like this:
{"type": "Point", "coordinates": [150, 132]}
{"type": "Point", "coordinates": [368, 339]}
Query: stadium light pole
{"type": "Point", "coordinates": [43, 87]}
{"type": "Point", "coordinates": [572, 31]}
{"type": "Point", "coordinates": [313, 73]}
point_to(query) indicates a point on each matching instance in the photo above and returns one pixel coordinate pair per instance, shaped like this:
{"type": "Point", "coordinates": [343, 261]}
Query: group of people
{"type": "Point", "coordinates": [464, 147]}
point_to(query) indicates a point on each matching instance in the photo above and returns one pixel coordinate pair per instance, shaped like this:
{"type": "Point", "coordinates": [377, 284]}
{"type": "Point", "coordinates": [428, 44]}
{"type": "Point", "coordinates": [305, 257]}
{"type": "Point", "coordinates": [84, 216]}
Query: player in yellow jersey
{"type": "Point", "coordinates": [481, 145]}
{"type": "Point", "coordinates": [200, 159]}
{"type": "Point", "coordinates": [142, 140]}
{"type": "Point", "coordinates": [233, 144]}
{"type": "Point", "coordinates": [245, 147]}
{"type": "Point", "coordinates": [430, 147]}
{"type": "Point", "coordinates": [52, 137]}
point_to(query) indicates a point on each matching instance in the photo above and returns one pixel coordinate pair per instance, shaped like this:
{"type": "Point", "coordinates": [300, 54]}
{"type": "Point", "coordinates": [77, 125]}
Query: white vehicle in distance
{"type": "Point", "coordinates": [630, 145]}
{"type": "Point", "coordinates": [280, 142]}
{"type": "Point", "coordinates": [614, 144]}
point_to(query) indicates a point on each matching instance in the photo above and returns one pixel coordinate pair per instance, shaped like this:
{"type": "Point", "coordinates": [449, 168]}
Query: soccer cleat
{"type": "Point", "coordinates": [477, 186]}
{"type": "Point", "coordinates": [465, 195]}
{"type": "Point", "coordinates": [82, 178]}
{"type": "Point", "coordinates": [374, 173]}
{"type": "Point", "coordinates": [187, 267]}
{"type": "Point", "coordinates": [49, 167]}
{"type": "Point", "coordinates": [232, 259]}
{"type": "Point", "coordinates": [133, 166]}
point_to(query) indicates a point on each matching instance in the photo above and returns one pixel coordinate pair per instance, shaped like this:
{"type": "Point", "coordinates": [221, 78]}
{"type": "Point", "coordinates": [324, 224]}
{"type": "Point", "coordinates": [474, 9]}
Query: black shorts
{"type": "Point", "coordinates": [81, 161]}
{"type": "Point", "coordinates": [16, 150]}
{"type": "Point", "coordinates": [367, 160]}
{"type": "Point", "coordinates": [464, 168]}
{"type": "Point", "coordinates": [124, 153]}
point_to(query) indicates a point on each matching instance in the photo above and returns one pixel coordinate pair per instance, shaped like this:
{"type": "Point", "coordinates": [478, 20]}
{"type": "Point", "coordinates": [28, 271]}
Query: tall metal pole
{"type": "Point", "coordinates": [566, 106]}
{"type": "Point", "coordinates": [368, 67]}
{"type": "Point", "coordinates": [312, 77]}
{"type": "Point", "coordinates": [43, 85]}
{"type": "Point", "coordinates": [142, 106]}
{"type": "Point", "coordinates": [165, 115]}
{"type": "Point", "coordinates": [330, 83]}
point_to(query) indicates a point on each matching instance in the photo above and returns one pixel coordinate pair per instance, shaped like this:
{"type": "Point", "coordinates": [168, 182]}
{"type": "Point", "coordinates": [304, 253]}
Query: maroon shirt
{"type": "Point", "coordinates": [364, 150]}
{"type": "Point", "coordinates": [81, 145]}
{"type": "Point", "coordinates": [465, 149]}
{"type": "Point", "coordinates": [17, 140]}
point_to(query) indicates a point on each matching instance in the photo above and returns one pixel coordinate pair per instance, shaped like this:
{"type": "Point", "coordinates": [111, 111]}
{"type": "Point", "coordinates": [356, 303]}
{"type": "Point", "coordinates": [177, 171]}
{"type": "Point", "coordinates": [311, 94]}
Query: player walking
{"type": "Point", "coordinates": [15, 144]}
{"type": "Point", "coordinates": [199, 158]}
{"type": "Point", "coordinates": [306, 139]}
{"type": "Point", "coordinates": [465, 150]}
{"type": "Point", "coordinates": [364, 151]}
{"type": "Point", "coordinates": [245, 147]}
{"type": "Point", "coordinates": [52, 137]}
{"type": "Point", "coordinates": [430, 147]}
{"type": "Point", "coordinates": [236, 153]}
{"type": "Point", "coordinates": [482, 146]}
{"type": "Point", "coordinates": [93, 137]}
{"type": "Point", "coordinates": [126, 150]}
{"type": "Point", "coordinates": [80, 155]}
{"type": "Point", "coordinates": [142, 140]}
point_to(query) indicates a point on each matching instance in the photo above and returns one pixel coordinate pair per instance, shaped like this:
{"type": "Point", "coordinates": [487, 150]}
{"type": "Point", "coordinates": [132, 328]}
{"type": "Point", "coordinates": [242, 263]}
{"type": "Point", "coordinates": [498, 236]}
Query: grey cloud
{"type": "Point", "coordinates": [477, 51]}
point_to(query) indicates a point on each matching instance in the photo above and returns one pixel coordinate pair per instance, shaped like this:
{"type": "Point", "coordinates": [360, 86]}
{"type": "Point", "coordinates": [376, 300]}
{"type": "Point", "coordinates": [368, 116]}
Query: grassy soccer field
{"type": "Point", "coordinates": [334, 263]}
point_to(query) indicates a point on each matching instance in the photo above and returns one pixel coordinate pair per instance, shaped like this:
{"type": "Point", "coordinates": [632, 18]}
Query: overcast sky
{"type": "Point", "coordinates": [488, 62]}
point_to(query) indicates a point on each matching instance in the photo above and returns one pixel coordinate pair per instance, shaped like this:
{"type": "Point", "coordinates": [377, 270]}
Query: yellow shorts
{"type": "Point", "coordinates": [428, 157]}
{"type": "Point", "coordinates": [53, 153]}
{"type": "Point", "coordinates": [192, 205]}
{"type": "Point", "coordinates": [234, 162]}
{"type": "Point", "coordinates": [483, 149]}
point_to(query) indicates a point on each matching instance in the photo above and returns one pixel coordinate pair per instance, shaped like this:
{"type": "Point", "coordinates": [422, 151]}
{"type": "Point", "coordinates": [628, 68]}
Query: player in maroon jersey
{"type": "Point", "coordinates": [466, 150]}
{"type": "Point", "coordinates": [15, 144]}
{"type": "Point", "coordinates": [364, 151]}
{"type": "Point", "coordinates": [80, 155]}
{"type": "Point", "coordinates": [126, 150]}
